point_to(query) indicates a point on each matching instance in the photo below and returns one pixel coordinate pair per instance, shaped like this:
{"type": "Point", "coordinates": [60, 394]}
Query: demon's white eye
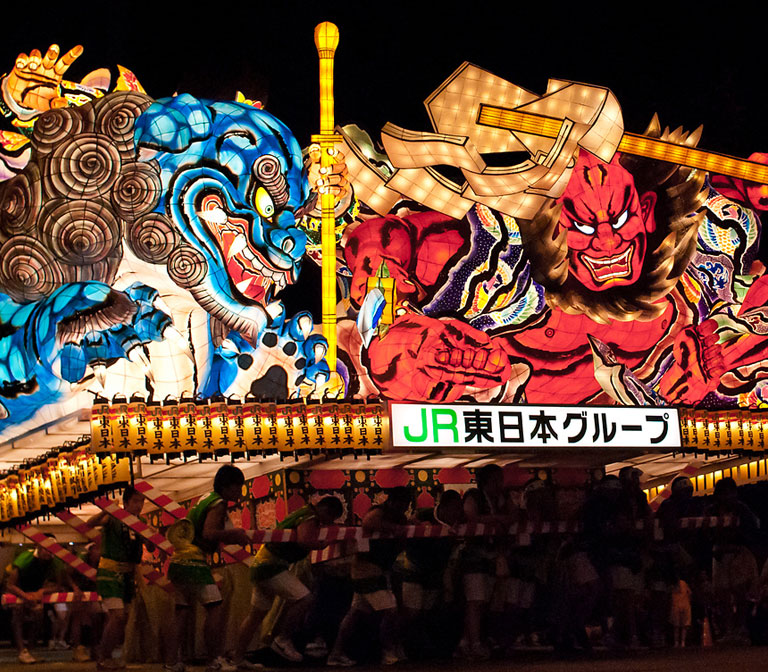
{"type": "Point", "coordinates": [263, 202]}
{"type": "Point", "coordinates": [584, 228]}
{"type": "Point", "coordinates": [623, 217]}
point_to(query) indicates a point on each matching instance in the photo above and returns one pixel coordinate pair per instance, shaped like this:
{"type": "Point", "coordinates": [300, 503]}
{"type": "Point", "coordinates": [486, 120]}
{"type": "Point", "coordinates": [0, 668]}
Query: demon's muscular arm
{"type": "Point", "coordinates": [417, 250]}
{"type": "Point", "coordinates": [421, 357]}
{"type": "Point", "coordinates": [744, 352]}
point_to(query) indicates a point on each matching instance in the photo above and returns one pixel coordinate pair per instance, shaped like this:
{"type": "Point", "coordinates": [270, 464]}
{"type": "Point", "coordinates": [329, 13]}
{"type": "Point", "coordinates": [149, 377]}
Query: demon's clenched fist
{"type": "Point", "coordinates": [421, 358]}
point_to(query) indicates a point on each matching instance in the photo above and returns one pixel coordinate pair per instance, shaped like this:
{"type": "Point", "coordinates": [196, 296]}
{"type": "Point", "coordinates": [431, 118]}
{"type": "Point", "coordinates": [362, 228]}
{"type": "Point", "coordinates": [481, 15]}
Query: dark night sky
{"type": "Point", "coordinates": [689, 65]}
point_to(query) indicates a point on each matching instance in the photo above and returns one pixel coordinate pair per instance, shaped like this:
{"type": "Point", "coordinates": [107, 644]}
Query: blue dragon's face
{"type": "Point", "coordinates": [233, 184]}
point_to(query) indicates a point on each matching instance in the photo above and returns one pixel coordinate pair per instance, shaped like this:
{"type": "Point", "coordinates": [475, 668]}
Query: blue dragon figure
{"type": "Point", "coordinates": [142, 249]}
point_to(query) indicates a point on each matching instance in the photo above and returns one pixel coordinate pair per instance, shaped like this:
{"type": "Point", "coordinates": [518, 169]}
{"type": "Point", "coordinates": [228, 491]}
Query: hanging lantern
{"type": "Point", "coordinates": [189, 430]}
{"type": "Point", "coordinates": [219, 414]}
{"type": "Point", "coordinates": [379, 424]}
{"type": "Point", "coordinates": [301, 423]}
{"type": "Point", "coordinates": [347, 427]}
{"type": "Point", "coordinates": [332, 425]}
{"type": "Point", "coordinates": [137, 426]}
{"type": "Point", "coordinates": [272, 430]}
{"type": "Point", "coordinates": [720, 430]}
{"type": "Point", "coordinates": [206, 445]}
{"type": "Point", "coordinates": [316, 426]}
{"type": "Point", "coordinates": [155, 434]}
{"type": "Point", "coordinates": [236, 428]}
{"type": "Point", "coordinates": [101, 435]}
{"type": "Point", "coordinates": [172, 427]}
{"type": "Point", "coordinates": [255, 423]}
{"type": "Point", "coordinates": [286, 414]}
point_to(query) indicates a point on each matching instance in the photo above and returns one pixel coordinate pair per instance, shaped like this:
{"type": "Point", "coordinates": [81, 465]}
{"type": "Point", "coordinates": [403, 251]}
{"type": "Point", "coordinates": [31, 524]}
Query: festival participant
{"type": "Point", "coordinates": [423, 568]}
{"type": "Point", "coordinates": [526, 588]}
{"type": "Point", "coordinates": [480, 558]}
{"type": "Point", "coordinates": [371, 580]}
{"type": "Point", "coordinates": [191, 574]}
{"type": "Point", "coordinates": [633, 491]}
{"type": "Point", "coordinates": [121, 551]}
{"type": "Point", "coordinates": [734, 567]}
{"type": "Point", "coordinates": [616, 549]}
{"type": "Point", "coordinates": [33, 574]}
{"type": "Point", "coordinates": [271, 578]}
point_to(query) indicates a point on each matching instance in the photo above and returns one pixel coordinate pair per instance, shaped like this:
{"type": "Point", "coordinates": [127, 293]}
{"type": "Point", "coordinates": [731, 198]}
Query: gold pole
{"type": "Point", "coordinates": [631, 143]}
{"type": "Point", "coordinates": [326, 41]}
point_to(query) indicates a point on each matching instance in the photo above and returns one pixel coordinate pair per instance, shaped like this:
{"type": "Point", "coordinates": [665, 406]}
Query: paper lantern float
{"type": "Point", "coordinates": [493, 271]}
{"type": "Point", "coordinates": [90, 208]}
{"type": "Point", "coordinates": [91, 233]}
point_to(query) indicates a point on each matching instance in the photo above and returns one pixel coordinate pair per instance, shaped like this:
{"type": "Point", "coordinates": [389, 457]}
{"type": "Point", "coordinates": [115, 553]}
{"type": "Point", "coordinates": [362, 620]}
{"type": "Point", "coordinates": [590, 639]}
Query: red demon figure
{"type": "Point", "coordinates": [615, 257]}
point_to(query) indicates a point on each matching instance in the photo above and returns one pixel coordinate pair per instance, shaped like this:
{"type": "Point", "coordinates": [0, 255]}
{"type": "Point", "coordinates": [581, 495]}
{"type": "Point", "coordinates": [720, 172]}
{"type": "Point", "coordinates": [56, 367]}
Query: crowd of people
{"type": "Point", "coordinates": [624, 577]}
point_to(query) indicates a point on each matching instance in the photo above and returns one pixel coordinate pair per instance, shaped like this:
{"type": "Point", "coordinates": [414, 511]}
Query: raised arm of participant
{"type": "Point", "coordinates": [98, 520]}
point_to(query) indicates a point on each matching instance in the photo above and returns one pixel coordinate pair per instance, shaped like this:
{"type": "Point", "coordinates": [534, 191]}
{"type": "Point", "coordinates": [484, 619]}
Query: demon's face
{"type": "Point", "coordinates": [607, 223]}
{"type": "Point", "coordinates": [232, 179]}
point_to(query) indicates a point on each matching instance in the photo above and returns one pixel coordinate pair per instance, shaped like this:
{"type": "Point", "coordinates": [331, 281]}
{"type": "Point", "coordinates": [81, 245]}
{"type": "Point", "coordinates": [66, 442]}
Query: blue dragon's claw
{"type": "Point", "coordinates": [315, 348]}
{"type": "Point", "coordinates": [300, 326]}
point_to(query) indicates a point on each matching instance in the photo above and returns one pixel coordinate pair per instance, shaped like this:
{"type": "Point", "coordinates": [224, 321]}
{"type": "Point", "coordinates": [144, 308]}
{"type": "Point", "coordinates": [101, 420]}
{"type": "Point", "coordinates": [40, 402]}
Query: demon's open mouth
{"type": "Point", "coordinates": [604, 269]}
{"type": "Point", "coordinates": [250, 272]}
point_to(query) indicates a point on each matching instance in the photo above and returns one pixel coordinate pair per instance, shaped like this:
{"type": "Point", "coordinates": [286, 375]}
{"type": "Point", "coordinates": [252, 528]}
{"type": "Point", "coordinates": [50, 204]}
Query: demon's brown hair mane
{"type": "Point", "coordinates": [679, 199]}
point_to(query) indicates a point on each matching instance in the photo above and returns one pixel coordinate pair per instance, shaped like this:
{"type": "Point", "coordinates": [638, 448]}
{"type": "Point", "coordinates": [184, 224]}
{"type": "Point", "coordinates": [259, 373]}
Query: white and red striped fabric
{"type": "Point", "coordinates": [136, 524]}
{"type": "Point", "coordinates": [79, 525]}
{"type": "Point", "coordinates": [160, 499]}
{"type": "Point", "coordinates": [52, 546]}
{"type": "Point", "coordinates": [174, 509]}
{"type": "Point", "coordinates": [704, 522]}
{"type": "Point", "coordinates": [54, 598]}
{"type": "Point", "coordinates": [155, 577]}
{"type": "Point", "coordinates": [330, 552]}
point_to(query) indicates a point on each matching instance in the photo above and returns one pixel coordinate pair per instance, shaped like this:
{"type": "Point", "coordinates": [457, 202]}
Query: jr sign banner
{"type": "Point", "coordinates": [509, 427]}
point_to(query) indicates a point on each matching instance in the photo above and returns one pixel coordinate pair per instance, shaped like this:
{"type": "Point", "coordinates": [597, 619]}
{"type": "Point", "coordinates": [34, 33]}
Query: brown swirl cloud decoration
{"type": "Point", "coordinates": [78, 231]}
{"type": "Point", "coordinates": [115, 117]}
{"type": "Point", "coordinates": [28, 271]}
{"type": "Point", "coordinates": [54, 126]}
{"type": "Point", "coordinates": [187, 266]}
{"type": "Point", "coordinates": [85, 166]}
{"type": "Point", "coordinates": [152, 238]}
{"type": "Point", "coordinates": [63, 218]}
{"type": "Point", "coordinates": [20, 202]}
{"type": "Point", "coordinates": [136, 191]}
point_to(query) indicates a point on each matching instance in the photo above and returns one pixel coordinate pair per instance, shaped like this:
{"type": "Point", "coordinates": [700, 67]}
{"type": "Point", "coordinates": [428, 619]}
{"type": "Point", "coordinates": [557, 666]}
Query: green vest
{"type": "Point", "coordinates": [120, 543]}
{"type": "Point", "coordinates": [34, 573]}
{"type": "Point", "coordinates": [197, 515]}
{"type": "Point", "coordinates": [291, 551]}
{"type": "Point", "coordinates": [273, 558]}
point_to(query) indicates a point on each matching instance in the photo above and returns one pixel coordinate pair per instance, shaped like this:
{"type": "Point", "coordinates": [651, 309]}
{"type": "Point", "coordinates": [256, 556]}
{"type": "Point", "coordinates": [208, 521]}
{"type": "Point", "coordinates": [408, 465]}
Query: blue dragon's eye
{"type": "Point", "coordinates": [263, 202]}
